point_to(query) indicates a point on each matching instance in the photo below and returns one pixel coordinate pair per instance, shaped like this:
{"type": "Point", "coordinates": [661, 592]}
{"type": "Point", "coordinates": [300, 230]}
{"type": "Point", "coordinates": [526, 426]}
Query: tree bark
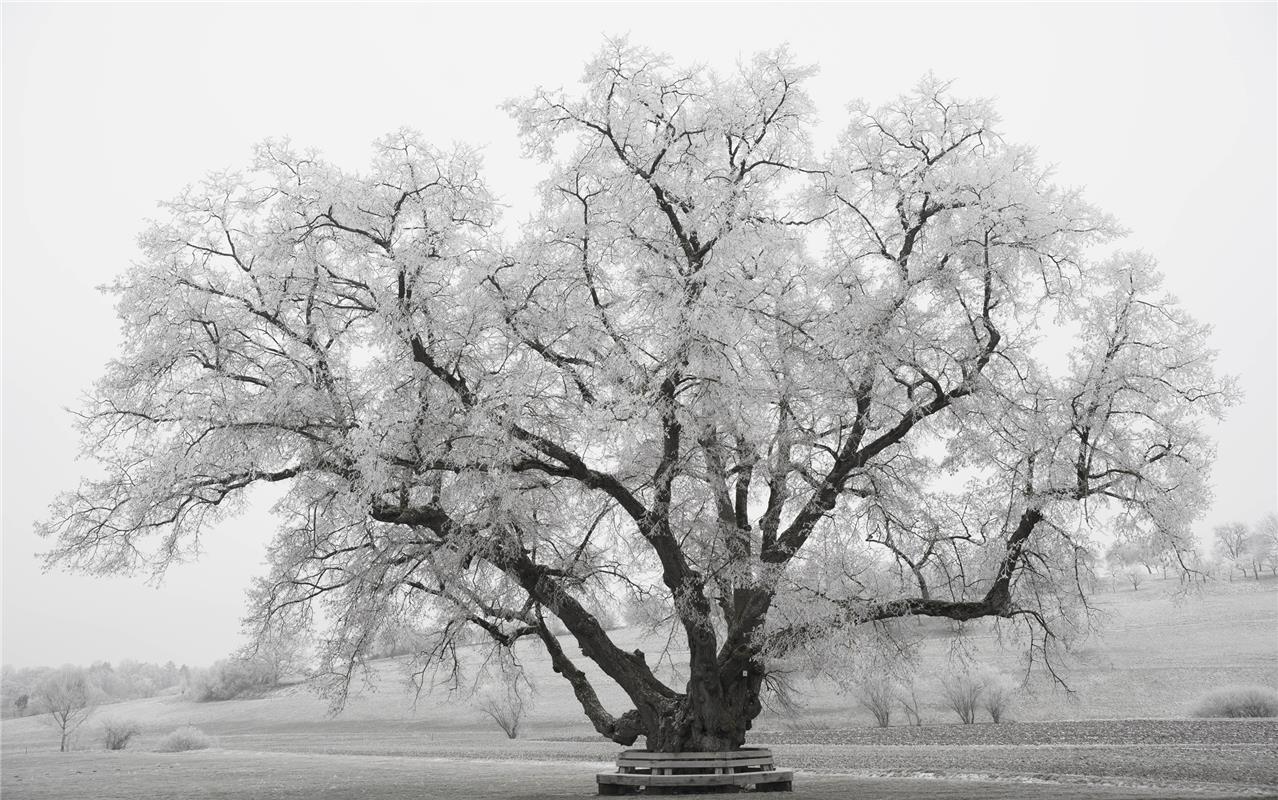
{"type": "Point", "coordinates": [715, 715]}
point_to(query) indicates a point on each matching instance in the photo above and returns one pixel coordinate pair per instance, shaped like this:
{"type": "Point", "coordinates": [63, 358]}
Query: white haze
{"type": "Point", "coordinates": [1166, 113]}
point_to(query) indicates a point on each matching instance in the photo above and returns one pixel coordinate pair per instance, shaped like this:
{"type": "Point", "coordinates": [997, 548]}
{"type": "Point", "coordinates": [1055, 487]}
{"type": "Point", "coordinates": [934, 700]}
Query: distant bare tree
{"type": "Point", "coordinates": [1125, 559]}
{"type": "Point", "coordinates": [997, 696]}
{"type": "Point", "coordinates": [1231, 546]}
{"type": "Point", "coordinates": [962, 693]}
{"type": "Point", "coordinates": [67, 697]}
{"type": "Point", "coordinates": [877, 696]}
{"type": "Point", "coordinates": [909, 699]}
{"type": "Point", "coordinates": [506, 709]}
{"type": "Point", "coordinates": [1264, 544]}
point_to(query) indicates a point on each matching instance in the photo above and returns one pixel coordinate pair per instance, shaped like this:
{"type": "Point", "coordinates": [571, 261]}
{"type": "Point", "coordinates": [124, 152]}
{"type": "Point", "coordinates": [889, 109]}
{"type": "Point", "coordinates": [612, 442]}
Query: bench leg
{"type": "Point", "coordinates": [779, 786]}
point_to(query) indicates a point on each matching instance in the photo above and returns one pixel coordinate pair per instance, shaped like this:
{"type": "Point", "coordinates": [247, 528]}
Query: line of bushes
{"type": "Point", "coordinates": [116, 734]}
{"type": "Point", "coordinates": [965, 694]}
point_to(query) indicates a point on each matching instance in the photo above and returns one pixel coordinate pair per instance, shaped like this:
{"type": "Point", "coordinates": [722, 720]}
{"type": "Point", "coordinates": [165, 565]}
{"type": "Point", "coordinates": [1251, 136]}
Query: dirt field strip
{"type": "Point", "coordinates": [226, 774]}
{"type": "Point", "coordinates": [1161, 758]}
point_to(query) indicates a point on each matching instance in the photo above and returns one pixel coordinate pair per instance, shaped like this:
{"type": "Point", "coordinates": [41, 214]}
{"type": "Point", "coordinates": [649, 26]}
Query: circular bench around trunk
{"type": "Point", "coordinates": [675, 773]}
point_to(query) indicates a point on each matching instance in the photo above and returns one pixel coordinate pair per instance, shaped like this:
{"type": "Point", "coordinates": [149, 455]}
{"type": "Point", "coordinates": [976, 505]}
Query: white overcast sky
{"type": "Point", "coordinates": [1164, 112]}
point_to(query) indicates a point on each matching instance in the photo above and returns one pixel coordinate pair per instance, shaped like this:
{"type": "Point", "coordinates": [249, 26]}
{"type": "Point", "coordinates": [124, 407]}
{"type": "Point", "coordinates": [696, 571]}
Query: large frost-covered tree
{"type": "Point", "coordinates": [775, 393]}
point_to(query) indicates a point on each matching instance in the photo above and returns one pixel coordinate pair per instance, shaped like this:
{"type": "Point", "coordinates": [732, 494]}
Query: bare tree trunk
{"type": "Point", "coordinates": [698, 727]}
{"type": "Point", "coordinates": [715, 715]}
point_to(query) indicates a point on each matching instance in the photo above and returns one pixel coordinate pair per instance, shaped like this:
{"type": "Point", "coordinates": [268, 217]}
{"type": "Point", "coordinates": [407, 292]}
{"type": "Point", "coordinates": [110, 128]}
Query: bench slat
{"type": "Point", "coordinates": [727, 779]}
{"type": "Point", "coordinates": [726, 763]}
{"type": "Point", "coordinates": [744, 752]}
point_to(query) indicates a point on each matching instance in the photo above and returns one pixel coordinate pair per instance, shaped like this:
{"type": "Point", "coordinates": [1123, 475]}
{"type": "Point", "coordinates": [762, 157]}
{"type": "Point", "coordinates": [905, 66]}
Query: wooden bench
{"type": "Point", "coordinates": [679, 773]}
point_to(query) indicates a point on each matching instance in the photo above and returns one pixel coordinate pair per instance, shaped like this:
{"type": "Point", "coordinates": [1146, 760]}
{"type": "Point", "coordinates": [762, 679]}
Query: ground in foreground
{"type": "Point", "coordinates": [219, 774]}
{"type": "Point", "coordinates": [1103, 760]}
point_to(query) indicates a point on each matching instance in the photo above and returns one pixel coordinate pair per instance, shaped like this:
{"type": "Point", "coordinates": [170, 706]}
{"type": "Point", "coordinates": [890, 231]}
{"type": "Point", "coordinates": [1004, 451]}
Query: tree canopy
{"type": "Point", "coordinates": [775, 394]}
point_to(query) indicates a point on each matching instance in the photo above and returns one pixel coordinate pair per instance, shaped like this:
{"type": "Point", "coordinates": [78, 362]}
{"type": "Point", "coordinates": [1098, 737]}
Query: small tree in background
{"type": "Point", "coordinates": [506, 709]}
{"type": "Point", "coordinates": [67, 697]}
{"type": "Point", "coordinates": [1231, 546]}
{"type": "Point", "coordinates": [877, 696]}
{"type": "Point", "coordinates": [1130, 560]}
{"type": "Point", "coordinates": [909, 699]}
{"type": "Point", "coordinates": [962, 694]}
{"type": "Point", "coordinates": [997, 696]}
{"type": "Point", "coordinates": [1264, 544]}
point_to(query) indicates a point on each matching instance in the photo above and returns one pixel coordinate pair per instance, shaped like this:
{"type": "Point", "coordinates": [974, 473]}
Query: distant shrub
{"type": "Point", "coordinates": [877, 696]}
{"type": "Point", "coordinates": [232, 678]}
{"type": "Point", "coordinates": [997, 695]}
{"type": "Point", "coordinates": [507, 710]}
{"type": "Point", "coordinates": [962, 693]}
{"type": "Point", "coordinates": [909, 700]}
{"type": "Point", "coordinates": [185, 738]}
{"type": "Point", "coordinates": [116, 733]}
{"type": "Point", "coordinates": [1239, 701]}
